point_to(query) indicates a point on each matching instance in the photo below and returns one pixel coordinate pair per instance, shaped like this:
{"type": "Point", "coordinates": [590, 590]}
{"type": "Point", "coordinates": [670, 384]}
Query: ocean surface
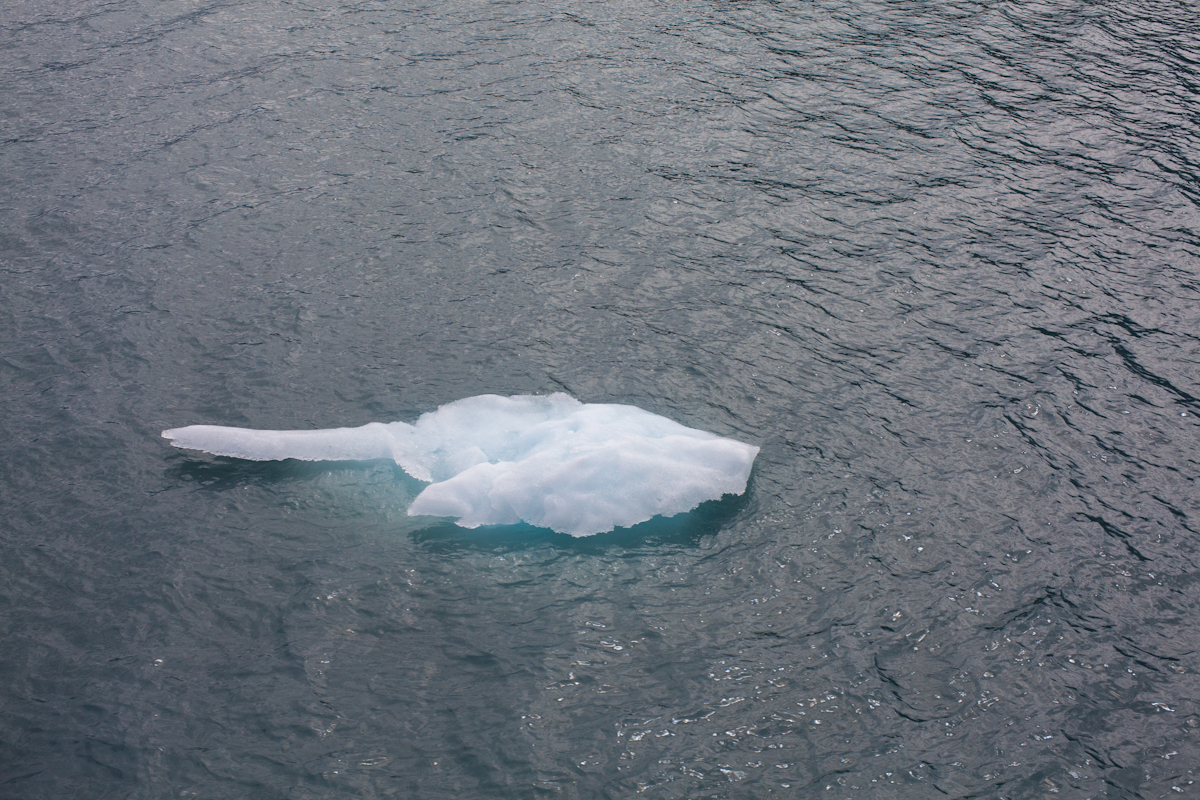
{"type": "Point", "coordinates": [941, 261]}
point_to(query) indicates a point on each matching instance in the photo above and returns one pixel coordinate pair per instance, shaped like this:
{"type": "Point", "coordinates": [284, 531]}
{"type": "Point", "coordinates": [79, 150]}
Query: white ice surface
{"type": "Point", "coordinates": [548, 460]}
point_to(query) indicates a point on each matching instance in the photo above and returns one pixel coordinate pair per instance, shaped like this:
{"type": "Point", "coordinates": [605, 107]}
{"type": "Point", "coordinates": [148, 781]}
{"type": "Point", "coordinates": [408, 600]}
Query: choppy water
{"type": "Point", "coordinates": [939, 259]}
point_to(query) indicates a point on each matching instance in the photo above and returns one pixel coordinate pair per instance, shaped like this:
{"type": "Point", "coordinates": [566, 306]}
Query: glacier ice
{"type": "Point", "coordinates": [548, 460]}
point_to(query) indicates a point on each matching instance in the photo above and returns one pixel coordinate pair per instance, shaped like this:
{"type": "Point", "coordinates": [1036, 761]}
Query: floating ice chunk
{"type": "Point", "coordinates": [547, 460]}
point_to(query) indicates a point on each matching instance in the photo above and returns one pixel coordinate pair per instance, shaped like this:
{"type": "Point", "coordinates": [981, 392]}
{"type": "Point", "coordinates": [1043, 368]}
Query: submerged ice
{"type": "Point", "coordinates": [550, 460]}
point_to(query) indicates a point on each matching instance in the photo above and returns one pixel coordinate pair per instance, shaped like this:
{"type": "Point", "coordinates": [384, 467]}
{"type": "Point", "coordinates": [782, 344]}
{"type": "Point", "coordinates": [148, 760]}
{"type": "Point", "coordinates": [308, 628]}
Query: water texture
{"type": "Point", "coordinates": [940, 260]}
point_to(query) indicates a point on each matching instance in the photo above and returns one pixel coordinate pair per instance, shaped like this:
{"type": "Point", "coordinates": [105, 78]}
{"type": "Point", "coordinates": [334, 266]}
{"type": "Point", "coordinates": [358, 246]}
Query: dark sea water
{"type": "Point", "coordinates": [940, 260]}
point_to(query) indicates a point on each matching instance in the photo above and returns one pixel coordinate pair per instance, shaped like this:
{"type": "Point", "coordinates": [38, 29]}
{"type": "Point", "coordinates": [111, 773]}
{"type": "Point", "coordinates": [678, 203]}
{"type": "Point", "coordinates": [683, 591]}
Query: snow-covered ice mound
{"type": "Point", "coordinates": [551, 461]}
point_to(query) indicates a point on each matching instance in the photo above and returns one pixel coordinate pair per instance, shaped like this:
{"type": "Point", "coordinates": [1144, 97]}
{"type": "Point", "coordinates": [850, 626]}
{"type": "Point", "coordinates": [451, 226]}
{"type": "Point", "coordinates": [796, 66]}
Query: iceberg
{"type": "Point", "coordinates": [548, 460]}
